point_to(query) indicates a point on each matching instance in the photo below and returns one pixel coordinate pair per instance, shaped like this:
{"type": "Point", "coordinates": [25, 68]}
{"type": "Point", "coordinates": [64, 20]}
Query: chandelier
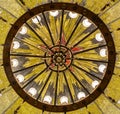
{"type": "Point", "coordinates": [59, 57]}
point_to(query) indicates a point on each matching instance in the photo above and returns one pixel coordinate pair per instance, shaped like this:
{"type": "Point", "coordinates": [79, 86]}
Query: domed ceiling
{"type": "Point", "coordinates": [59, 57]}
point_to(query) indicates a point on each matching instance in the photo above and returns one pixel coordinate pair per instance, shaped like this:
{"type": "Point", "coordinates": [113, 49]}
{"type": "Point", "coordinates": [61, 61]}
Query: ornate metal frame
{"type": "Point", "coordinates": [70, 7]}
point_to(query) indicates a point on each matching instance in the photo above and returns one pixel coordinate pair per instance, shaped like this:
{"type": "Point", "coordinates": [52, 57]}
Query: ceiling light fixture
{"type": "Point", "coordinates": [81, 95]}
{"type": "Point", "coordinates": [99, 37]}
{"type": "Point", "coordinates": [102, 68]}
{"type": "Point", "coordinates": [16, 44]}
{"type": "Point", "coordinates": [0, 95]}
{"type": "Point", "coordinates": [20, 78]}
{"type": "Point", "coordinates": [36, 19]}
{"type": "Point", "coordinates": [47, 99]}
{"type": "Point", "coordinates": [64, 100]}
{"type": "Point", "coordinates": [73, 15]}
{"type": "Point", "coordinates": [103, 52]}
{"type": "Point", "coordinates": [14, 62]}
{"type": "Point", "coordinates": [23, 30]}
{"type": "Point", "coordinates": [46, 73]}
{"type": "Point", "coordinates": [118, 101]}
{"type": "Point", "coordinates": [32, 91]}
{"type": "Point", "coordinates": [86, 23]}
{"type": "Point", "coordinates": [54, 13]}
{"type": "Point", "coordinates": [95, 84]}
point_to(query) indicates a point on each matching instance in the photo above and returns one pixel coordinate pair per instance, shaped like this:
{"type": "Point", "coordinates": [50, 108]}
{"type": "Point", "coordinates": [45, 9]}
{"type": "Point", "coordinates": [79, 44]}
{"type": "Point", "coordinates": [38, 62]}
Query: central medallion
{"type": "Point", "coordinates": [60, 58]}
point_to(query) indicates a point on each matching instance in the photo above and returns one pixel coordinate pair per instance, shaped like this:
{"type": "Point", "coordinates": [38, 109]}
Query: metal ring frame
{"type": "Point", "coordinates": [60, 6]}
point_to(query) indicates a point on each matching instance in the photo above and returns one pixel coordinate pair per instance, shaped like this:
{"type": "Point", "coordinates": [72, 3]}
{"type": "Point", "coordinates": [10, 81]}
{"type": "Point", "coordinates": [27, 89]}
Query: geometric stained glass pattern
{"type": "Point", "coordinates": [59, 57]}
{"type": "Point", "coordinates": [40, 58]}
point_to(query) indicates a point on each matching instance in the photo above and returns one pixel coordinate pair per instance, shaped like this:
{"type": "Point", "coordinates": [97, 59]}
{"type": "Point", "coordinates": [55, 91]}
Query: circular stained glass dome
{"type": "Point", "coordinates": [59, 57]}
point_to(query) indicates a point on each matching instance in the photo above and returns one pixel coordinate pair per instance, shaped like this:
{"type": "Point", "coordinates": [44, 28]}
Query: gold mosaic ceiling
{"type": "Point", "coordinates": [107, 103]}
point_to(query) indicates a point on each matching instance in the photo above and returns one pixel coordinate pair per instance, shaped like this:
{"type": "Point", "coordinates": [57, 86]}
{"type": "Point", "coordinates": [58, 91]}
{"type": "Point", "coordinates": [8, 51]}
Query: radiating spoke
{"type": "Point", "coordinates": [92, 60]}
{"type": "Point", "coordinates": [19, 107]}
{"type": "Point", "coordinates": [90, 49]}
{"type": "Point", "coordinates": [113, 21]}
{"type": "Point", "coordinates": [99, 107]}
{"type": "Point", "coordinates": [56, 85]}
{"type": "Point", "coordinates": [68, 87]}
{"type": "Point", "coordinates": [86, 71]}
{"type": "Point", "coordinates": [39, 37]}
{"type": "Point", "coordinates": [5, 89]}
{"type": "Point", "coordinates": [38, 21]}
{"type": "Point", "coordinates": [11, 104]}
{"type": "Point", "coordinates": [111, 100]}
{"type": "Point", "coordinates": [48, 29]}
{"type": "Point", "coordinates": [84, 31]}
{"type": "Point", "coordinates": [61, 27]}
{"type": "Point", "coordinates": [34, 77]}
{"type": "Point", "coordinates": [79, 81]}
{"type": "Point", "coordinates": [22, 4]}
{"type": "Point", "coordinates": [79, 20]}
{"type": "Point", "coordinates": [27, 55]}
{"type": "Point", "coordinates": [42, 30]}
{"type": "Point", "coordinates": [29, 67]}
{"type": "Point", "coordinates": [109, 8]}
{"type": "Point", "coordinates": [27, 43]}
{"type": "Point", "coordinates": [45, 83]}
{"type": "Point", "coordinates": [9, 12]}
{"type": "Point", "coordinates": [84, 38]}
